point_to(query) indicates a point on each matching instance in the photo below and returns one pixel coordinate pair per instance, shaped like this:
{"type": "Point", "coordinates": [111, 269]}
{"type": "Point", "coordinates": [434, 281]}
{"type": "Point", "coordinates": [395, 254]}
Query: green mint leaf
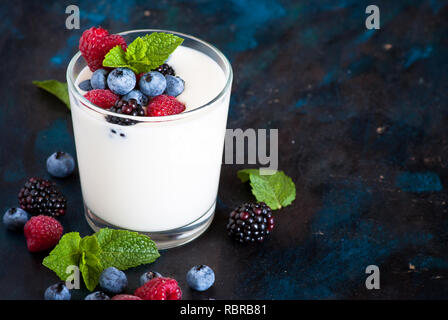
{"type": "Point", "coordinates": [245, 174]}
{"type": "Point", "coordinates": [57, 88]}
{"type": "Point", "coordinates": [143, 54]}
{"type": "Point", "coordinates": [125, 249]}
{"type": "Point", "coordinates": [160, 46]}
{"type": "Point", "coordinates": [116, 58]}
{"type": "Point", "coordinates": [90, 265]}
{"type": "Point", "coordinates": [136, 52]}
{"type": "Point", "coordinates": [65, 254]}
{"type": "Point", "coordinates": [91, 268]}
{"type": "Point", "coordinates": [277, 190]}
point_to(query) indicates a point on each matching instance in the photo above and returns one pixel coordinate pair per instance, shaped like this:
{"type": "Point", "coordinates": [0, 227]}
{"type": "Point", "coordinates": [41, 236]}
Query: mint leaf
{"type": "Point", "coordinates": [160, 46]}
{"type": "Point", "coordinates": [91, 268]}
{"type": "Point", "coordinates": [116, 58]}
{"type": "Point", "coordinates": [245, 174]}
{"type": "Point", "coordinates": [57, 88]}
{"type": "Point", "coordinates": [89, 265]}
{"type": "Point", "coordinates": [65, 254]}
{"type": "Point", "coordinates": [276, 190]}
{"type": "Point", "coordinates": [143, 54]}
{"type": "Point", "coordinates": [125, 249]}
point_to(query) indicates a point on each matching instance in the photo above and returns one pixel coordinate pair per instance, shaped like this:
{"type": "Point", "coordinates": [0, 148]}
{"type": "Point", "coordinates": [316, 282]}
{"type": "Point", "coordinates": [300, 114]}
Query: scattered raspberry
{"type": "Point", "coordinates": [164, 105]}
{"type": "Point", "coordinates": [103, 98]}
{"type": "Point", "coordinates": [160, 289]}
{"type": "Point", "coordinates": [42, 233]}
{"type": "Point", "coordinates": [125, 297]}
{"type": "Point", "coordinates": [40, 196]}
{"type": "Point", "coordinates": [95, 43]}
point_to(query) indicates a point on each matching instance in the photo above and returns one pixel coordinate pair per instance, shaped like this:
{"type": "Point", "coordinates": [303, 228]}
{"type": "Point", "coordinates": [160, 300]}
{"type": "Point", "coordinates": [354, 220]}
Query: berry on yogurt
{"type": "Point", "coordinates": [121, 81]}
{"type": "Point", "coordinates": [152, 83]}
{"type": "Point", "coordinates": [174, 85]}
{"type": "Point", "coordinates": [99, 79]}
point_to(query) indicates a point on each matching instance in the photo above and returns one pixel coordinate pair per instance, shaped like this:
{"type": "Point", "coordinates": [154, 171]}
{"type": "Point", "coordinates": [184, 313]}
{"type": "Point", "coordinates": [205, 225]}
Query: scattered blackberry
{"type": "Point", "coordinates": [250, 222]}
{"type": "Point", "coordinates": [165, 69]}
{"type": "Point", "coordinates": [39, 196]}
{"type": "Point", "coordinates": [130, 108]}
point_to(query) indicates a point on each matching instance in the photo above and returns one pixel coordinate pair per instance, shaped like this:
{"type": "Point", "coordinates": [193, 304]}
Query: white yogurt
{"type": "Point", "coordinates": [156, 176]}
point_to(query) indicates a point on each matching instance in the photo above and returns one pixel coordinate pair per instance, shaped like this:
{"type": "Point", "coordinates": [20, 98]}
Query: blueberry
{"type": "Point", "coordinates": [152, 83]}
{"type": "Point", "coordinates": [113, 280]}
{"type": "Point", "coordinates": [138, 96]}
{"type": "Point", "coordinates": [15, 218]}
{"type": "Point", "coordinates": [97, 295]}
{"type": "Point", "coordinates": [121, 80]}
{"type": "Point", "coordinates": [57, 291]}
{"type": "Point", "coordinates": [60, 164]}
{"type": "Point", "coordinates": [200, 277]}
{"type": "Point", "coordinates": [98, 80]}
{"type": "Point", "coordinates": [85, 85]}
{"type": "Point", "coordinates": [149, 276]}
{"type": "Point", "coordinates": [174, 85]}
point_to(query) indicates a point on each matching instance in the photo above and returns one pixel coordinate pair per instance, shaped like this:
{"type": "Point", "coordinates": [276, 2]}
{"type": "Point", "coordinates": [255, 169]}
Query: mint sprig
{"type": "Point", "coordinates": [106, 248]}
{"type": "Point", "coordinates": [56, 88]}
{"type": "Point", "coordinates": [277, 190]}
{"type": "Point", "coordinates": [125, 249]}
{"type": "Point", "coordinates": [144, 53]}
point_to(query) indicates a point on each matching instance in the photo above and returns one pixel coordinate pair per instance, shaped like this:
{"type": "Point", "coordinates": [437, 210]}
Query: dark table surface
{"type": "Point", "coordinates": [362, 119]}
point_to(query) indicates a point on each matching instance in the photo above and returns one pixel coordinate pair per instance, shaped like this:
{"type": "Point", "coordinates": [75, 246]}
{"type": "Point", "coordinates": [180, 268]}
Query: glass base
{"type": "Point", "coordinates": [163, 239]}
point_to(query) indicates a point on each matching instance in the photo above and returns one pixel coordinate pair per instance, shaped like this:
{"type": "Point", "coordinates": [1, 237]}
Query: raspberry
{"type": "Point", "coordinates": [164, 105]}
{"type": "Point", "coordinates": [160, 289]}
{"type": "Point", "coordinates": [103, 98]}
{"type": "Point", "coordinates": [139, 76]}
{"type": "Point", "coordinates": [95, 43]}
{"type": "Point", "coordinates": [42, 233]}
{"type": "Point", "coordinates": [165, 69]}
{"type": "Point", "coordinates": [131, 108]}
{"type": "Point", "coordinates": [125, 297]}
{"type": "Point", "coordinates": [250, 222]}
{"type": "Point", "coordinates": [39, 196]}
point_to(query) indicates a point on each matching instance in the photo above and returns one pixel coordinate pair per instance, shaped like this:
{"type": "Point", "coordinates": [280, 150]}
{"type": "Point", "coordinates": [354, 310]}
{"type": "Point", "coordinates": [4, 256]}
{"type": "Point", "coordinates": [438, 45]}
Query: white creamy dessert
{"type": "Point", "coordinates": [162, 173]}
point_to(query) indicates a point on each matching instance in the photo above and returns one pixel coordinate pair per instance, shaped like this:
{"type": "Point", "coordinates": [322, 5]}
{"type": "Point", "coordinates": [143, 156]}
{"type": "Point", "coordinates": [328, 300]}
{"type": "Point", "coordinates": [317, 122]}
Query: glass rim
{"type": "Point", "coordinates": [86, 103]}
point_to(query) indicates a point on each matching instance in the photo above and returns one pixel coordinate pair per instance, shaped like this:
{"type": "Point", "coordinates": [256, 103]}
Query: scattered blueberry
{"type": "Point", "coordinates": [85, 85]}
{"type": "Point", "coordinates": [57, 291]}
{"type": "Point", "coordinates": [60, 164]}
{"type": "Point", "coordinates": [15, 218]}
{"type": "Point", "coordinates": [200, 277]}
{"type": "Point", "coordinates": [174, 85]}
{"type": "Point", "coordinates": [98, 80]}
{"type": "Point", "coordinates": [97, 295]}
{"type": "Point", "coordinates": [152, 83]}
{"type": "Point", "coordinates": [121, 80]}
{"type": "Point", "coordinates": [138, 96]}
{"type": "Point", "coordinates": [113, 280]}
{"type": "Point", "coordinates": [149, 276]}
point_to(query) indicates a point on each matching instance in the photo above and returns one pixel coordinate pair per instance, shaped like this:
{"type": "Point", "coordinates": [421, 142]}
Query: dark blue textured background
{"type": "Point", "coordinates": [362, 125]}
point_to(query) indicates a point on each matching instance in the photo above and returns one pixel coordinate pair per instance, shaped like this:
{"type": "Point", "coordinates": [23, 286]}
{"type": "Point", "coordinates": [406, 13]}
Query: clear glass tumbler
{"type": "Point", "coordinates": [160, 175]}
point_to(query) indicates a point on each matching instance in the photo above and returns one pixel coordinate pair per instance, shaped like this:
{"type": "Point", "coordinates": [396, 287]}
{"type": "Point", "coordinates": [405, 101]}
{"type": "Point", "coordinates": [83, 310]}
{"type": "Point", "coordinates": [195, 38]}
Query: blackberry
{"type": "Point", "coordinates": [130, 108]}
{"type": "Point", "coordinates": [165, 69]}
{"type": "Point", "coordinates": [250, 222]}
{"type": "Point", "coordinates": [39, 196]}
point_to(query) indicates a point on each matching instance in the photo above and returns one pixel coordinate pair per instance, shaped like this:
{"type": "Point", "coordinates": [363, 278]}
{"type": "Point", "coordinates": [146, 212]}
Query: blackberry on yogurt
{"type": "Point", "coordinates": [250, 222]}
{"type": "Point", "coordinates": [165, 69]}
{"type": "Point", "coordinates": [129, 108]}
